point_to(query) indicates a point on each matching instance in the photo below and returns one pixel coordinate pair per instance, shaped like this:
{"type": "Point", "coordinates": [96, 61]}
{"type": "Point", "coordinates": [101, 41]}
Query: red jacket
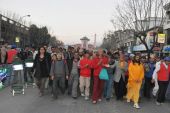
{"type": "Point", "coordinates": [163, 73]}
{"type": "Point", "coordinates": [85, 71]}
{"type": "Point", "coordinates": [11, 53]}
{"type": "Point", "coordinates": [97, 68]}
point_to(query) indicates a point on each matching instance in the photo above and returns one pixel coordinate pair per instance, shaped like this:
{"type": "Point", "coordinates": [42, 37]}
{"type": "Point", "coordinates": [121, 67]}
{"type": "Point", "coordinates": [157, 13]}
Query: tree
{"type": "Point", "coordinates": [41, 36]}
{"type": "Point", "coordinates": [109, 41]}
{"type": "Point", "coordinates": [34, 35]}
{"type": "Point", "coordinates": [37, 35]}
{"type": "Point", "coordinates": [142, 15]}
{"type": "Point", "coordinates": [55, 42]}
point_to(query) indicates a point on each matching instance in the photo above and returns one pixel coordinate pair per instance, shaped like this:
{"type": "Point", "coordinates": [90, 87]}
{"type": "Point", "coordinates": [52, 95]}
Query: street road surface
{"type": "Point", "coordinates": [32, 103]}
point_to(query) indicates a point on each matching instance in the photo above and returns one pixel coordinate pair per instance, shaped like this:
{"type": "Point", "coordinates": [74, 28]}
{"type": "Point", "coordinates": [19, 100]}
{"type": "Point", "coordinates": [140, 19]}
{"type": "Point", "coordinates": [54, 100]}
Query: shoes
{"type": "Point", "coordinates": [40, 94]}
{"type": "Point", "coordinates": [86, 98]}
{"type": "Point", "coordinates": [34, 84]}
{"type": "Point", "coordinates": [82, 94]}
{"type": "Point", "coordinates": [128, 101]}
{"type": "Point", "coordinates": [69, 93]}
{"type": "Point", "coordinates": [99, 100]}
{"type": "Point", "coordinates": [136, 106]}
{"type": "Point", "coordinates": [119, 98]}
{"type": "Point", "coordinates": [158, 103]}
{"type": "Point", "coordinates": [107, 99]}
{"type": "Point", "coordinates": [111, 96]}
{"type": "Point", "coordinates": [55, 97]}
{"type": "Point", "coordinates": [74, 97]}
{"type": "Point", "coordinates": [94, 102]}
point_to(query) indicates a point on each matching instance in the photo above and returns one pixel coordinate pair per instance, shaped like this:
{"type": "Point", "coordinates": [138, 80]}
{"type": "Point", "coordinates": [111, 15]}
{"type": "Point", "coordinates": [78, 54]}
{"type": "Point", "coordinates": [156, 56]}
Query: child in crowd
{"type": "Point", "coordinates": [58, 73]}
{"type": "Point", "coordinates": [85, 73]}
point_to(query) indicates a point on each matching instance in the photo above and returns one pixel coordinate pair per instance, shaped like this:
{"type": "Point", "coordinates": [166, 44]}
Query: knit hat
{"type": "Point", "coordinates": [167, 58]}
{"type": "Point", "coordinates": [132, 55]}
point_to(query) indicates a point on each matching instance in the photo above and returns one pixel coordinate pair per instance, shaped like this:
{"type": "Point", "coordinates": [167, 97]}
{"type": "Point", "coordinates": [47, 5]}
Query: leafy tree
{"type": "Point", "coordinates": [41, 36]}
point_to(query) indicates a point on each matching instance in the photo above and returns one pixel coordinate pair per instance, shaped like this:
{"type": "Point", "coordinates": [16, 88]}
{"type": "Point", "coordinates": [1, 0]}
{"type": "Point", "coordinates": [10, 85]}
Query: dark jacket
{"type": "Point", "coordinates": [111, 70]}
{"type": "Point", "coordinates": [149, 69]}
{"type": "Point", "coordinates": [69, 58]}
{"type": "Point", "coordinates": [42, 66]}
{"type": "Point", "coordinates": [25, 54]}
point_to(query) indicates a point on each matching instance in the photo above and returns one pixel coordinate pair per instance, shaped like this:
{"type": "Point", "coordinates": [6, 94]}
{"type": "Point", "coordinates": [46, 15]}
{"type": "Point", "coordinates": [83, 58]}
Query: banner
{"type": "Point", "coordinates": [161, 38]}
{"type": "Point", "coordinates": [3, 73]}
{"type": "Point", "coordinates": [17, 39]}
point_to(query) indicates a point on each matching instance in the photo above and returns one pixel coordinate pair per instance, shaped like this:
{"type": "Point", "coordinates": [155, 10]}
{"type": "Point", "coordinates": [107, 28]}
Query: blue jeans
{"type": "Point", "coordinates": [108, 89]}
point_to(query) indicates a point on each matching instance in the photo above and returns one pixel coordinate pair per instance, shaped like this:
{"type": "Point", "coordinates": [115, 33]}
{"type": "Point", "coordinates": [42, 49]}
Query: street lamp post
{"type": "Point", "coordinates": [20, 22]}
{"type": "Point", "coordinates": [0, 25]}
{"type": "Point", "coordinates": [21, 18]}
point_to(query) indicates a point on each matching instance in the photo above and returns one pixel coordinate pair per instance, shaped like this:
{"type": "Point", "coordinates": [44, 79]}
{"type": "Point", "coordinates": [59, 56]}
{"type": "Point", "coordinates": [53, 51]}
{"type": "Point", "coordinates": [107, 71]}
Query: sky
{"type": "Point", "coordinates": [68, 20]}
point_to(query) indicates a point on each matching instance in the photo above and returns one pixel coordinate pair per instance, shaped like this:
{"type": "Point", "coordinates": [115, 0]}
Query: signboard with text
{"type": "Point", "coordinates": [161, 38]}
{"type": "Point", "coordinates": [17, 39]}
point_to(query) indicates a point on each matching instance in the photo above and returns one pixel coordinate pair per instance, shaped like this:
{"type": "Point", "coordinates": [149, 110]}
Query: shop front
{"type": "Point", "coordinates": [166, 49]}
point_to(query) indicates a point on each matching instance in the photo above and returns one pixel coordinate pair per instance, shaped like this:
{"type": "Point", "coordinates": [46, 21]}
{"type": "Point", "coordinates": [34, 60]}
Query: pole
{"type": "Point", "coordinates": [21, 18]}
{"type": "Point", "coordinates": [95, 41]}
{"type": "Point", "coordinates": [0, 25]}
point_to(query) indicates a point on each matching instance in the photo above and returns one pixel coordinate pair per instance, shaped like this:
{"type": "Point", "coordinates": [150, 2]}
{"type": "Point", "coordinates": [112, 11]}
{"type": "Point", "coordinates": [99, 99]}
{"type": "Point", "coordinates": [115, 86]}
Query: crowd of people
{"type": "Point", "coordinates": [77, 73]}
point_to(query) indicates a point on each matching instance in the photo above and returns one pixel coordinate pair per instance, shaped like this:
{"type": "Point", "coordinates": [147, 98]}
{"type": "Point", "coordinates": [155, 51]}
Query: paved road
{"type": "Point", "coordinates": [32, 103]}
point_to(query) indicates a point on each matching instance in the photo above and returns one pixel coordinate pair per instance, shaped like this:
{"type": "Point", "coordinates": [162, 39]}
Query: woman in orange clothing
{"type": "Point", "coordinates": [136, 75]}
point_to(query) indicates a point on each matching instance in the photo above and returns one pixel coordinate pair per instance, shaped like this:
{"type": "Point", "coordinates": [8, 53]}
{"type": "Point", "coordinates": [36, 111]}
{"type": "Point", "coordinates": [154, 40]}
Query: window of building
{"type": "Point", "coordinates": [125, 44]}
{"type": "Point", "coordinates": [168, 16]}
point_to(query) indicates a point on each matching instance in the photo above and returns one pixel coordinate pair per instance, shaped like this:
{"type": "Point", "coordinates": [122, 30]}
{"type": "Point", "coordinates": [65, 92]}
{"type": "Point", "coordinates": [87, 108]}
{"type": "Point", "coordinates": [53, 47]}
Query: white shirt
{"type": "Point", "coordinates": [34, 54]}
{"type": "Point", "coordinates": [157, 68]}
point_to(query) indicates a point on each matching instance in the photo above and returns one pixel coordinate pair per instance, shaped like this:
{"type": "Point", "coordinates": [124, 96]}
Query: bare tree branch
{"type": "Point", "coordinates": [141, 15]}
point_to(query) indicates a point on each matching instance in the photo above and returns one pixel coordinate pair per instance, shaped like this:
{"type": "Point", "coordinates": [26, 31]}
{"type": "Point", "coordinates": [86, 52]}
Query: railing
{"type": "Point", "coordinates": [10, 21]}
{"type": "Point", "coordinates": [10, 29]}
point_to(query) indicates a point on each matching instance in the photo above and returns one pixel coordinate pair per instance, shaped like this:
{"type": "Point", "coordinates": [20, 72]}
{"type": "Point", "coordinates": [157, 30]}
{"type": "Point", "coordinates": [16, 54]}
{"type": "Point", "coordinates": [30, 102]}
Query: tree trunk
{"type": "Point", "coordinates": [148, 53]}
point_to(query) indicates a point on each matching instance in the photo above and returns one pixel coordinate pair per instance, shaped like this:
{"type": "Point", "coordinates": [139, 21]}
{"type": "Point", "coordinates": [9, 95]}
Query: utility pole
{"type": "Point", "coordinates": [0, 25]}
{"type": "Point", "coordinates": [95, 41]}
{"type": "Point", "coordinates": [20, 24]}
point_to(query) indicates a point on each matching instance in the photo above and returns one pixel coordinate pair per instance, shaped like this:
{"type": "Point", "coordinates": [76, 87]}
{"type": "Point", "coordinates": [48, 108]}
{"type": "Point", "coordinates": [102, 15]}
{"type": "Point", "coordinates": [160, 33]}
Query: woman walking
{"type": "Point", "coordinates": [42, 69]}
{"type": "Point", "coordinates": [121, 67]}
{"type": "Point", "coordinates": [108, 89]}
{"type": "Point", "coordinates": [136, 76]}
{"type": "Point", "coordinates": [98, 63]}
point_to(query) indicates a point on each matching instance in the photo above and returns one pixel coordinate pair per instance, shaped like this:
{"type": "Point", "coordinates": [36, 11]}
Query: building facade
{"type": "Point", "coordinates": [167, 23]}
{"type": "Point", "coordinates": [12, 31]}
{"type": "Point", "coordinates": [121, 39]}
{"type": "Point", "coordinates": [84, 44]}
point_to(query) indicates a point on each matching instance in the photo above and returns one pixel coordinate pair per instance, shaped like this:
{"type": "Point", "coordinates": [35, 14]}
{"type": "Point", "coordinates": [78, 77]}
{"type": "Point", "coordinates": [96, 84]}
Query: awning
{"type": "Point", "coordinates": [166, 49]}
{"type": "Point", "coordinates": [167, 26]}
{"type": "Point", "coordinates": [139, 48]}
